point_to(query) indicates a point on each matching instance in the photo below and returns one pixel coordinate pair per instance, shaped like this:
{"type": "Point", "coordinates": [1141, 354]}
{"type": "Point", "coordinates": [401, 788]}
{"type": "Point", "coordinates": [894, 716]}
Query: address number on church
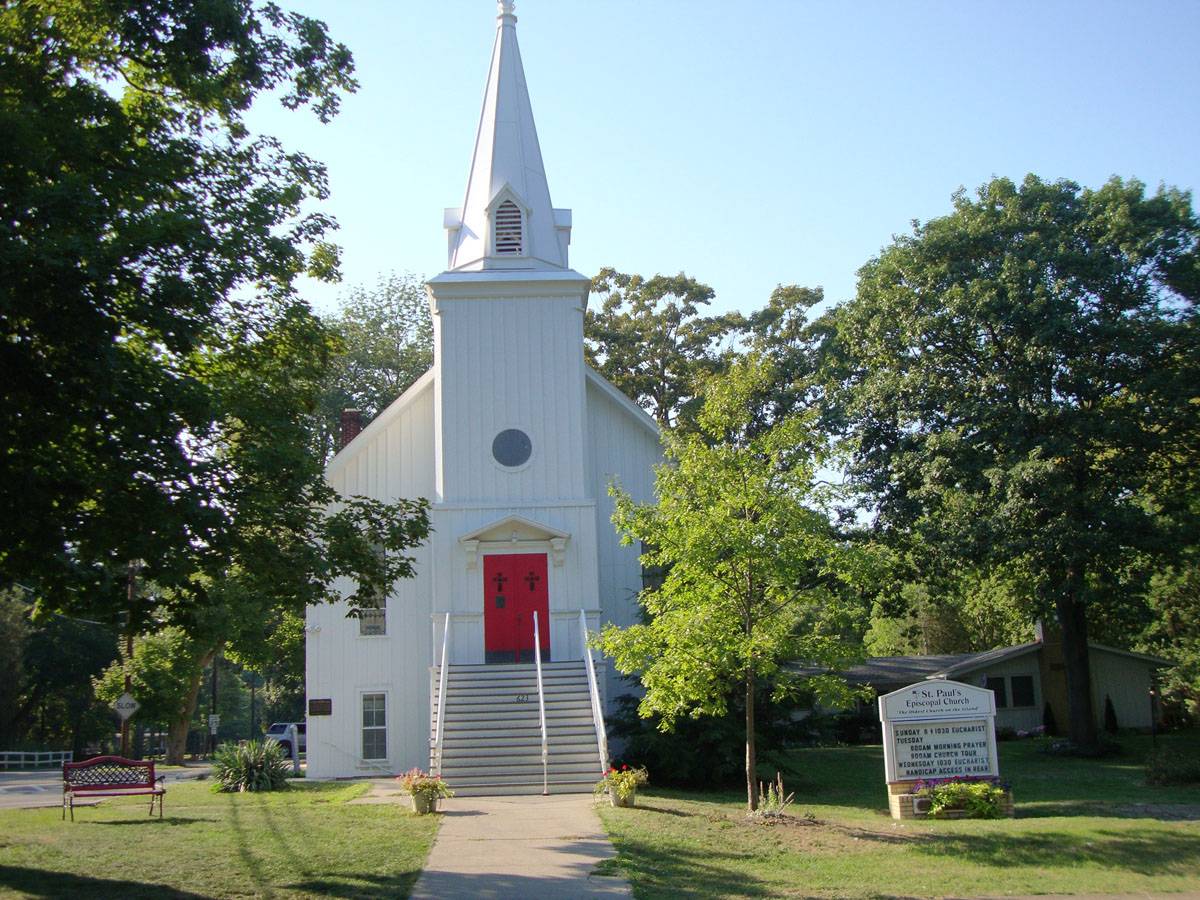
{"type": "Point", "coordinates": [522, 698]}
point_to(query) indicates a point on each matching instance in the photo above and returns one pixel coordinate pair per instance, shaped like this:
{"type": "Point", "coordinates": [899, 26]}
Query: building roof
{"type": "Point", "coordinates": [887, 670]}
{"type": "Point", "coordinates": [507, 165]}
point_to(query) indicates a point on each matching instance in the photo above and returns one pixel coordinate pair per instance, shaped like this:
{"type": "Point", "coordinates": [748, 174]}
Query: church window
{"type": "Point", "coordinates": [372, 621]}
{"type": "Point", "coordinates": [996, 685]}
{"type": "Point", "coordinates": [512, 447]}
{"type": "Point", "coordinates": [508, 229]}
{"type": "Point", "coordinates": [374, 728]}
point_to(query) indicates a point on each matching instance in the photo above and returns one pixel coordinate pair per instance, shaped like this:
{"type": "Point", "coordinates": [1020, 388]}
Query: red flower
{"type": "Point", "coordinates": [624, 768]}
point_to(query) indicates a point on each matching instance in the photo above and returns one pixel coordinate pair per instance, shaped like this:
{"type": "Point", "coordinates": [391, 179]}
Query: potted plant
{"type": "Point", "coordinates": [425, 790]}
{"type": "Point", "coordinates": [621, 784]}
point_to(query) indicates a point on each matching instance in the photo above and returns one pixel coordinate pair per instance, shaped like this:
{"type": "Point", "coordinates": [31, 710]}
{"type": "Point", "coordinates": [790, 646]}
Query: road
{"type": "Point", "coordinates": [32, 790]}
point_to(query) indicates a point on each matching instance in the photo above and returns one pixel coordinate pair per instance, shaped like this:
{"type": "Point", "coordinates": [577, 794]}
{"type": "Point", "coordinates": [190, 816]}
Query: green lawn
{"type": "Point", "coordinates": [300, 843]}
{"type": "Point", "coordinates": [1081, 827]}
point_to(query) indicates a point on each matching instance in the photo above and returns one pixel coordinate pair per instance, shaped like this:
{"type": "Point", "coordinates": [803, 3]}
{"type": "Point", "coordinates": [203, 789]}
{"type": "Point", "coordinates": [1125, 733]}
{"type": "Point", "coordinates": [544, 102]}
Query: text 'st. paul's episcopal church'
{"type": "Point", "coordinates": [514, 440]}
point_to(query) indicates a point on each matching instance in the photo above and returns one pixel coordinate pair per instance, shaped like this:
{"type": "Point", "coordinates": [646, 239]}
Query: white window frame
{"type": "Point", "coordinates": [363, 727]}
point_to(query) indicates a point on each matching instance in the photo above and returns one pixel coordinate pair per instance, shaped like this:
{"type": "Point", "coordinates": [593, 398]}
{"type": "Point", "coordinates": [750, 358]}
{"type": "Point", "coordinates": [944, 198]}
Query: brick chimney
{"type": "Point", "coordinates": [352, 424]}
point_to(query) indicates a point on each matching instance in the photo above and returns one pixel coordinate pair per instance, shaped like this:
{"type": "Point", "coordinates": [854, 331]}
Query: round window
{"type": "Point", "coordinates": [512, 447]}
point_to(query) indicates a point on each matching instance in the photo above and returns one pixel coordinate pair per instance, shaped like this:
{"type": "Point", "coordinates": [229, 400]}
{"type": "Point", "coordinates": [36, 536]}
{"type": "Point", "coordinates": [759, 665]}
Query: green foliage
{"type": "Point", "coordinates": [649, 339]}
{"type": "Point", "coordinates": [978, 799]}
{"type": "Point", "coordinates": [255, 766]}
{"type": "Point", "coordinates": [46, 671]}
{"type": "Point", "coordinates": [963, 612]}
{"type": "Point", "coordinates": [1174, 633]}
{"type": "Point", "coordinates": [385, 343]}
{"type": "Point", "coordinates": [1017, 376]}
{"type": "Point", "coordinates": [161, 371]}
{"type": "Point", "coordinates": [165, 670]}
{"type": "Point", "coordinates": [14, 632]}
{"type": "Point", "coordinates": [754, 570]}
{"type": "Point", "coordinates": [1173, 765]}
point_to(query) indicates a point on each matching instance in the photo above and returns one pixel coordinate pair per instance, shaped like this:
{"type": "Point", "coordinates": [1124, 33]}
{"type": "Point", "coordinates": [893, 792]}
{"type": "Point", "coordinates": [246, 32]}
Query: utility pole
{"type": "Point", "coordinates": [131, 590]}
{"type": "Point", "coordinates": [212, 738]}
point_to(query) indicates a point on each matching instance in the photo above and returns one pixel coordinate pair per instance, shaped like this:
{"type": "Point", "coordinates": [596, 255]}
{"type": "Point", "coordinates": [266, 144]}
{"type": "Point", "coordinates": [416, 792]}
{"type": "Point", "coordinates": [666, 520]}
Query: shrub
{"type": "Point", "coordinates": [1110, 716]}
{"type": "Point", "coordinates": [253, 766]}
{"type": "Point", "coordinates": [1173, 766]}
{"type": "Point", "coordinates": [708, 752]}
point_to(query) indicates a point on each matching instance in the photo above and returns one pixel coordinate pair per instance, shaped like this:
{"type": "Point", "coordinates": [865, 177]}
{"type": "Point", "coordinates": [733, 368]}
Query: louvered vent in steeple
{"type": "Point", "coordinates": [508, 229]}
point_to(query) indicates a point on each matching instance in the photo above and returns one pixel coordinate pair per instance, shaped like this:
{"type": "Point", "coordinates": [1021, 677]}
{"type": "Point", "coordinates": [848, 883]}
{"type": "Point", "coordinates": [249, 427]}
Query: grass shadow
{"type": "Point", "coordinates": [43, 883]}
{"type": "Point", "coordinates": [1143, 851]}
{"type": "Point", "coordinates": [360, 886]}
{"type": "Point", "coordinates": [165, 820]}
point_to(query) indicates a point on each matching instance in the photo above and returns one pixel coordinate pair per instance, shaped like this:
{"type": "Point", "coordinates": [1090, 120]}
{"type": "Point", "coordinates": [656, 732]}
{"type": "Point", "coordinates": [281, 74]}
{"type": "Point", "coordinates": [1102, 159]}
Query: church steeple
{"type": "Point", "coordinates": [507, 220]}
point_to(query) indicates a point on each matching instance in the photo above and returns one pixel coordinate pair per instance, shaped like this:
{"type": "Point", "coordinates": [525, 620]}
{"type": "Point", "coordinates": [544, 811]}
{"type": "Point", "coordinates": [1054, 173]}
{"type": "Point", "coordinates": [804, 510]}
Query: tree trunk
{"type": "Point", "coordinates": [751, 754]}
{"type": "Point", "coordinates": [177, 729]}
{"type": "Point", "coordinates": [1081, 719]}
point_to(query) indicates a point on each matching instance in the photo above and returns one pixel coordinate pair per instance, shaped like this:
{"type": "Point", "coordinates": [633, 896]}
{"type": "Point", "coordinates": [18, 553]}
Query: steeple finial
{"type": "Point", "coordinates": [506, 220]}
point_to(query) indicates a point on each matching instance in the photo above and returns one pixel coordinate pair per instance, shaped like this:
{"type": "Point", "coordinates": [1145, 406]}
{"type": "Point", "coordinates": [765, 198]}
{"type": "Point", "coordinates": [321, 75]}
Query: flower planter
{"type": "Point", "coordinates": [423, 804]}
{"type": "Point", "coordinates": [617, 800]}
{"type": "Point", "coordinates": [912, 806]}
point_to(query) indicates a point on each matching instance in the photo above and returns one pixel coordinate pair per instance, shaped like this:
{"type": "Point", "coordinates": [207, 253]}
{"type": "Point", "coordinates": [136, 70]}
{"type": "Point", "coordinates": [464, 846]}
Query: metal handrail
{"type": "Point", "coordinates": [537, 658]}
{"type": "Point", "coordinates": [594, 690]}
{"type": "Point", "coordinates": [440, 734]}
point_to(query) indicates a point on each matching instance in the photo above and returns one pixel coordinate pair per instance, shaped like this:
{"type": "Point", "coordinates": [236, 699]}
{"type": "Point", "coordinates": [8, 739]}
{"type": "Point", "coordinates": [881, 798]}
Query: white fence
{"type": "Point", "coordinates": [19, 759]}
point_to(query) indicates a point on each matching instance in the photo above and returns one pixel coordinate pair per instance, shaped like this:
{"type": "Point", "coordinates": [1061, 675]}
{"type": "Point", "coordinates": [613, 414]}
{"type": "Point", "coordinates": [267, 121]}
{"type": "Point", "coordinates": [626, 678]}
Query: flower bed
{"type": "Point", "coordinates": [952, 798]}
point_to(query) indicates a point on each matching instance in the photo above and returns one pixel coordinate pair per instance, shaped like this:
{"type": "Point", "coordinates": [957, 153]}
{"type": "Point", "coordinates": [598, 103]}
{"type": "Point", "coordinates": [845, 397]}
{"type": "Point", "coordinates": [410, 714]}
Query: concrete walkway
{"type": "Point", "coordinates": [519, 847]}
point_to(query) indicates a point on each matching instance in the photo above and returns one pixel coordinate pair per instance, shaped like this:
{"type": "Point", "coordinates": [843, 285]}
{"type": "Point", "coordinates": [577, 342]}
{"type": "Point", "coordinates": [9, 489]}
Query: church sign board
{"type": "Point", "coordinates": [938, 729]}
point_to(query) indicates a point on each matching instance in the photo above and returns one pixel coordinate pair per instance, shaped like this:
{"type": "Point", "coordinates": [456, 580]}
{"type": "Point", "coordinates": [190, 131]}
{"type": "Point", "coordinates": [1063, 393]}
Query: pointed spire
{"type": "Point", "coordinates": [506, 220]}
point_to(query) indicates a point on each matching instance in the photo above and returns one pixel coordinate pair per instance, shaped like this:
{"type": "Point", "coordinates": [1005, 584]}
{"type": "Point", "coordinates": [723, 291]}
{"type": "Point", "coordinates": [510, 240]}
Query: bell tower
{"type": "Point", "coordinates": [508, 315]}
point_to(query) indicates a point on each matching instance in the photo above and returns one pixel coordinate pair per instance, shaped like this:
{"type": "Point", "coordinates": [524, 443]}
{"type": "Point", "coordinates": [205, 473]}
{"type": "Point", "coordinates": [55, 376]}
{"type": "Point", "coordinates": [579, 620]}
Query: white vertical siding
{"type": "Point", "coordinates": [389, 462]}
{"type": "Point", "coordinates": [1126, 680]}
{"type": "Point", "coordinates": [623, 451]}
{"type": "Point", "coordinates": [511, 363]}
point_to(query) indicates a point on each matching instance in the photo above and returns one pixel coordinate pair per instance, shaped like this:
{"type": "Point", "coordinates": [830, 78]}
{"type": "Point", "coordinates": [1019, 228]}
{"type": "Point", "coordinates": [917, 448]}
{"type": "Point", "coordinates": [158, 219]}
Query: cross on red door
{"type": "Point", "coordinates": [500, 579]}
{"type": "Point", "coordinates": [532, 580]}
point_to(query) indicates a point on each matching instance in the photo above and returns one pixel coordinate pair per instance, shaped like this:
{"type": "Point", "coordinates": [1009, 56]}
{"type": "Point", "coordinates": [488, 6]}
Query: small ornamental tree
{"type": "Point", "coordinates": [754, 571]}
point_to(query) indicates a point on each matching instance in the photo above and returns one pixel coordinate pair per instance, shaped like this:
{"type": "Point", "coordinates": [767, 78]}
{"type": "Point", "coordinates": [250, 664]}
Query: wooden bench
{"type": "Point", "coordinates": [111, 776]}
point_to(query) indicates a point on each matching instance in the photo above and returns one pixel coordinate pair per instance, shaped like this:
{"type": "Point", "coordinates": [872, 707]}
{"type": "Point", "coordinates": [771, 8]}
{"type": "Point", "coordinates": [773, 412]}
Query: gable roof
{"type": "Point", "coordinates": [380, 422]}
{"type": "Point", "coordinates": [887, 670]}
{"type": "Point", "coordinates": [635, 412]}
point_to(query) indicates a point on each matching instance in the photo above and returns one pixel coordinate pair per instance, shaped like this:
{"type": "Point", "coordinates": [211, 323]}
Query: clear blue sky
{"type": "Point", "coordinates": [748, 144]}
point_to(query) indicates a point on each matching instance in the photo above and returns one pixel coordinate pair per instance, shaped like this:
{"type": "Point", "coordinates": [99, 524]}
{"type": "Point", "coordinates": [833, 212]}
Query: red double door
{"type": "Point", "coordinates": [514, 587]}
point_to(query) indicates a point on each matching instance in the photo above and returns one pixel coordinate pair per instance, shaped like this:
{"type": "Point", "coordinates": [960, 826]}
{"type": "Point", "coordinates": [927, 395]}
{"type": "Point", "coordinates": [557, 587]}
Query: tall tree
{"type": "Point", "coordinates": [1015, 373]}
{"type": "Point", "coordinates": [147, 239]}
{"type": "Point", "coordinates": [385, 343]}
{"type": "Point", "coordinates": [754, 569]}
{"type": "Point", "coordinates": [648, 337]}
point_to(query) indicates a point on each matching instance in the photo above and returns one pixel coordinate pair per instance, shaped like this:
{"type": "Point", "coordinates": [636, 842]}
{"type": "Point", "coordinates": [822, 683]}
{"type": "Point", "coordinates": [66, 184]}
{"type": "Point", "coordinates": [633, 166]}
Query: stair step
{"type": "Point", "coordinates": [523, 777]}
{"type": "Point", "coordinates": [531, 770]}
{"type": "Point", "coordinates": [524, 789]}
{"type": "Point", "coordinates": [521, 757]}
{"type": "Point", "coordinates": [477, 695]}
{"type": "Point", "coordinates": [573, 736]}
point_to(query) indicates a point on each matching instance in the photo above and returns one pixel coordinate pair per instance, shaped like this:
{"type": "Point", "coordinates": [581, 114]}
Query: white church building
{"type": "Point", "coordinates": [514, 441]}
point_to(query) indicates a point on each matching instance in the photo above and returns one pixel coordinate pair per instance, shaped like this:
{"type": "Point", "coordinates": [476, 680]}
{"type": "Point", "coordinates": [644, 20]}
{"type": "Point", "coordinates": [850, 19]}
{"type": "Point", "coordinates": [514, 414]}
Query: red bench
{"type": "Point", "coordinates": [111, 776]}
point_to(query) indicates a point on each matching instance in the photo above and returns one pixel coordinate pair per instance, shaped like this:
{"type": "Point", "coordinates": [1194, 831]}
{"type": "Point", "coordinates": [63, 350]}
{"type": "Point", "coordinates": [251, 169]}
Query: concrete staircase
{"type": "Point", "coordinates": [493, 742]}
